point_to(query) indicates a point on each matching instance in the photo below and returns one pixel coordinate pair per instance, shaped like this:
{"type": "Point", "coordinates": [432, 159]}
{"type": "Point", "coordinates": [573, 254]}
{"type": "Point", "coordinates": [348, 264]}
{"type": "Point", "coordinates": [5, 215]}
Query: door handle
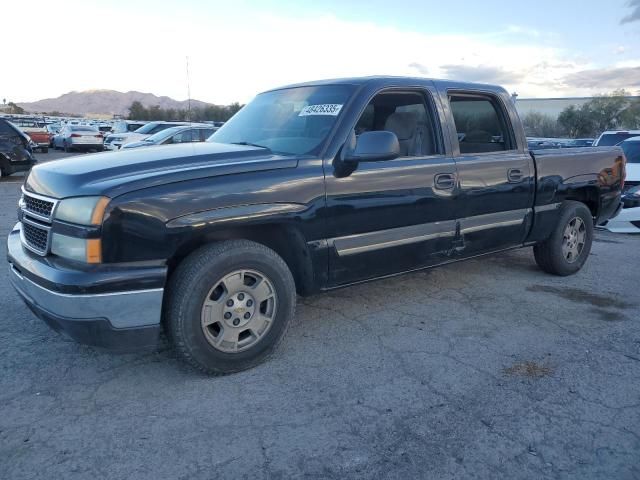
{"type": "Point", "coordinates": [445, 181]}
{"type": "Point", "coordinates": [514, 175]}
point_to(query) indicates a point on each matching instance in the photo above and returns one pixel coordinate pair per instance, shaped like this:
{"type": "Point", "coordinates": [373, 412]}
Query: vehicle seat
{"type": "Point", "coordinates": [412, 134]}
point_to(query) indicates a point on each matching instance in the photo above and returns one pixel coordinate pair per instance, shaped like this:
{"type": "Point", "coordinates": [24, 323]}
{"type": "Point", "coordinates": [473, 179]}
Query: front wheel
{"type": "Point", "coordinates": [568, 247]}
{"type": "Point", "coordinates": [229, 306]}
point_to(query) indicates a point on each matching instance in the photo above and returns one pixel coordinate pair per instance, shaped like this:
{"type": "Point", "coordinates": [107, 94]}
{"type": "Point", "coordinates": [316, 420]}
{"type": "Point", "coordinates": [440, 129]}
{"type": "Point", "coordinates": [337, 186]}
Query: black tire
{"type": "Point", "coordinates": [66, 148]}
{"type": "Point", "coordinates": [45, 150]}
{"type": "Point", "coordinates": [190, 285]}
{"type": "Point", "coordinates": [549, 255]}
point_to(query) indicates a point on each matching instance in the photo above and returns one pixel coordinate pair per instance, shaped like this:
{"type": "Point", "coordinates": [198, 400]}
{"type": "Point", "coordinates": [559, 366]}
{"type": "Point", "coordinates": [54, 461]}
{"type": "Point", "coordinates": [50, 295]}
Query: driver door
{"type": "Point", "coordinates": [396, 215]}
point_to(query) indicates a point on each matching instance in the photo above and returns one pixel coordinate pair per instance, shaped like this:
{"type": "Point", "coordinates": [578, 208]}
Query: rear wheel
{"type": "Point", "coordinates": [45, 150]}
{"type": "Point", "coordinates": [567, 249]}
{"type": "Point", "coordinates": [229, 306]}
{"type": "Point", "coordinates": [65, 147]}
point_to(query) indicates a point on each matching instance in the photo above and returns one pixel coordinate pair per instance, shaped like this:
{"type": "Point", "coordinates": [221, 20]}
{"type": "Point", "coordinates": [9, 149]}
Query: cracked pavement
{"type": "Point", "coordinates": [483, 369]}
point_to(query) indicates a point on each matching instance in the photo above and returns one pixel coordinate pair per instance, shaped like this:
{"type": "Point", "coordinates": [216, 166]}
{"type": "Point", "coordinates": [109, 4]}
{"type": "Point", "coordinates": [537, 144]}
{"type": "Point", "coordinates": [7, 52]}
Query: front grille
{"type": "Point", "coordinates": [38, 206]}
{"type": "Point", "coordinates": [36, 214]}
{"type": "Point", "coordinates": [36, 237]}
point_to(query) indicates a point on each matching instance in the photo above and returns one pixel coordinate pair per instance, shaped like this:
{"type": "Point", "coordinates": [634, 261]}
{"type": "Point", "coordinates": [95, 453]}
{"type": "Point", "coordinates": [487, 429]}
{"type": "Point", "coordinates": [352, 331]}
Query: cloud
{"type": "Point", "coordinates": [605, 78]}
{"type": "Point", "coordinates": [263, 49]}
{"type": "Point", "coordinates": [482, 74]}
{"type": "Point", "coordinates": [420, 68]}
{"type": "Point", "coordinates": [634, 16]}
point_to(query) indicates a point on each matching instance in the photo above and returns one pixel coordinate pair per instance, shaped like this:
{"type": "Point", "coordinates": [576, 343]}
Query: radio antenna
{"type": "Point", "coordinates": [188, 92]}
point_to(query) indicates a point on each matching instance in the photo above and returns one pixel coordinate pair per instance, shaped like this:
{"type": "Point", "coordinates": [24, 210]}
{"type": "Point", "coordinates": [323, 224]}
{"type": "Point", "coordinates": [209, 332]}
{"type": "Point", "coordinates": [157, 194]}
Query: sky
{"type": "Point", "coordinates": [237, 48]}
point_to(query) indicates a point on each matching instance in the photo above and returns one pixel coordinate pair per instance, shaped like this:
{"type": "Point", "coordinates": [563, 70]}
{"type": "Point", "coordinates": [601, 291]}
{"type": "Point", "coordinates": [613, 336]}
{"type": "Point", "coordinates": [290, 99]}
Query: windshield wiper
{"type": "Point", "coordinates": [250, 144]}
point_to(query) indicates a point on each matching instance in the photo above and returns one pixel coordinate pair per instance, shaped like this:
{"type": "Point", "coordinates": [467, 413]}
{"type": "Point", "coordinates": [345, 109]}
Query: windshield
{"type": "Point", "coordinates": [631, 151]}
{"type": "Point", "coordinates": [291, 121]}
{"type": "Point", "coordinates": [151, 128]}
{"type": "Point", "coordinates": [146, 129]}
{"type": "Point", "coordinates": [611, 139]}
{"type": "Point", "coordinates": [162, 135]}
{"type": "Point", "coordinates": [83, 128]}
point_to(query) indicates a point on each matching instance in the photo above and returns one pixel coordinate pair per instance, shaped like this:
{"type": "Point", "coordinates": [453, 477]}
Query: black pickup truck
{"type": "Point", "coordinates": [309, 187]}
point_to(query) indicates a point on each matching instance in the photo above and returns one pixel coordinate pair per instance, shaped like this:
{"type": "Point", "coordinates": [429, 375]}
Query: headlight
{"type": "Point", "coordinates": [79, 249]}
{"type": "Point", "coordinates": [82, 210]}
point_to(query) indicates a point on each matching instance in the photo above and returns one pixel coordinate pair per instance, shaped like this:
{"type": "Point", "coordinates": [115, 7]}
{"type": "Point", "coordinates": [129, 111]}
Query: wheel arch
{"type": "Point", "coordinates": [278, 232]}
{"type": "Point", "coordinates": [587, 194]}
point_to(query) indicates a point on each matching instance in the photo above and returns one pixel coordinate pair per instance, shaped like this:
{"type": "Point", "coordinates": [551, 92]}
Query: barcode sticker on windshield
{"type": "Point", "coordinates": [324, 109]}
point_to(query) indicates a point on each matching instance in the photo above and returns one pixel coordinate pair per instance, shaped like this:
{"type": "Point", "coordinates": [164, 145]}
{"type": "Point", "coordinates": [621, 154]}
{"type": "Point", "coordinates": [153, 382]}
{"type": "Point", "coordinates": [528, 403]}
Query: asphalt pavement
{"type": "Point", "coordinates": [483, 369]}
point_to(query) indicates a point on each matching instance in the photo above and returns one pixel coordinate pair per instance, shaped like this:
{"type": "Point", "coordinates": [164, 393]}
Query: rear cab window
{"type": "Point", "coordinates": [482, 125]}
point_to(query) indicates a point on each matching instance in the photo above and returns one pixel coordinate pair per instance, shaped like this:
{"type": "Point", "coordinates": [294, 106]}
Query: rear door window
{"type": "Point", "coordinates": [481, 124]}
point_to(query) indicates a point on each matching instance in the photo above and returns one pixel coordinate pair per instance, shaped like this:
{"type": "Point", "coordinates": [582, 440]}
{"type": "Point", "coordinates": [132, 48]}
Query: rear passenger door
{"type": "Point", "coordinates": [495, 174]}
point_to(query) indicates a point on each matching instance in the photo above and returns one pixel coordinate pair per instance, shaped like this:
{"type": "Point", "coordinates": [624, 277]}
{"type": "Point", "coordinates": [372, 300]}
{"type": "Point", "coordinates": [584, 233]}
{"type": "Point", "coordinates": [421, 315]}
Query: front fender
{"type": "Point", "coordinates": [230, 216]}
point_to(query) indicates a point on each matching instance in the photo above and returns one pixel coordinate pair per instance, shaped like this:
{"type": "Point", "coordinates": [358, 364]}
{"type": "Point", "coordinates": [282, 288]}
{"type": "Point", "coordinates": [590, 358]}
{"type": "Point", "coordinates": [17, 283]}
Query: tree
{"type": "Point", "coordinates": [630, 117]}
{"type": "Point", "coordinates": [537, 124]}
{"type": "Point", "coordinates": [604, 112]}
{"type": "Point", "coordinates": [576, 122]}
{"type": "Point", "coordinates": [137, 111]}
{"type": "Point", "coordinates": [15, 109]}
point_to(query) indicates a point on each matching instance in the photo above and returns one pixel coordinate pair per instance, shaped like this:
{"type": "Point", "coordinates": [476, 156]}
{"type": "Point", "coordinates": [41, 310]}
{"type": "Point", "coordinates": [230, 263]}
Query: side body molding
{"type": "Point", "coordinates": [241, 213]}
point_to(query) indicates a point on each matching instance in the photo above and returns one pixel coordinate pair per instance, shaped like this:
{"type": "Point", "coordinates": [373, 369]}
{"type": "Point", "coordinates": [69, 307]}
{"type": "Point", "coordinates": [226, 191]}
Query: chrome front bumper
{"type": "Point", "coordinates": [121, 320]}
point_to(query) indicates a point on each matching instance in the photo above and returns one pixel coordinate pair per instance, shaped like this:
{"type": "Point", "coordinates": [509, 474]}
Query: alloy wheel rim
{"type": "Point", "coordinates": [573, 239]}
{"type": "Point", "coordinates": [238, 311]}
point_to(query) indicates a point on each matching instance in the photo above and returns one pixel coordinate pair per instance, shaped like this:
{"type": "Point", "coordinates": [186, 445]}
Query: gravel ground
{"type": "Point", "coordinates": [484, 369]}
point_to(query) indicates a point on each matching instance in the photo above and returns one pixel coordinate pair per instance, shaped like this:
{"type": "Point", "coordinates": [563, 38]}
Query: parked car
{"type": "Point", "coordinates": [540, 144]}
{"type": "Point", "coordinates": [628, 220]}
{"type": "Point", "coordinates": [614, 137]}
{"type": "Point", "coordinates": [181, 134]}
{"type": "Point", "coordinates": [308, 188]}
{"type": "Point", "coordinates": [104, 127]}
{"type": "Point", "coordinates": [115, 141]}
{"type": "Point", "coordinates": [580, 142]}
{"type": "Point", "coordinates": [35, 129]}
{"type": "Point", "coordinates": [78, 137]}
{"type": "Point", "coordinates": [125, 126]}
{"type": "Point", "coordinates": [53, 129]}
{"type": "Point", "coordinates": [16, 154]}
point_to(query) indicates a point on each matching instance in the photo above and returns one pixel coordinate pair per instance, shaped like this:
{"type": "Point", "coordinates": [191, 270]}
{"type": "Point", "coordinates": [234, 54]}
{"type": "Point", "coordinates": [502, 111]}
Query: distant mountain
{"type": "Point", "coordinates": [104, 102]}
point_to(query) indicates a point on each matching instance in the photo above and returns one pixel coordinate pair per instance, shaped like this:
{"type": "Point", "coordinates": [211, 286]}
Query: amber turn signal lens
{"type": "Point", "coordinates": [98, 211]}
{"type": "Point", "coordinates": [94, 250]}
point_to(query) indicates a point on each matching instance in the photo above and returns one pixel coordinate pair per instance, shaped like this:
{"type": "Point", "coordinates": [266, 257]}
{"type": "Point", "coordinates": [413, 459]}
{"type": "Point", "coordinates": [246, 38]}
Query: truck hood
{"type": "Point", "coordinates": [115, 173]}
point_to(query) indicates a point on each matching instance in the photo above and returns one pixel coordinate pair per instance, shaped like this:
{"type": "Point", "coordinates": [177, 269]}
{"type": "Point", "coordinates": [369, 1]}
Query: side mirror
{"type": "Point", "coordinates": [372, 147]}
